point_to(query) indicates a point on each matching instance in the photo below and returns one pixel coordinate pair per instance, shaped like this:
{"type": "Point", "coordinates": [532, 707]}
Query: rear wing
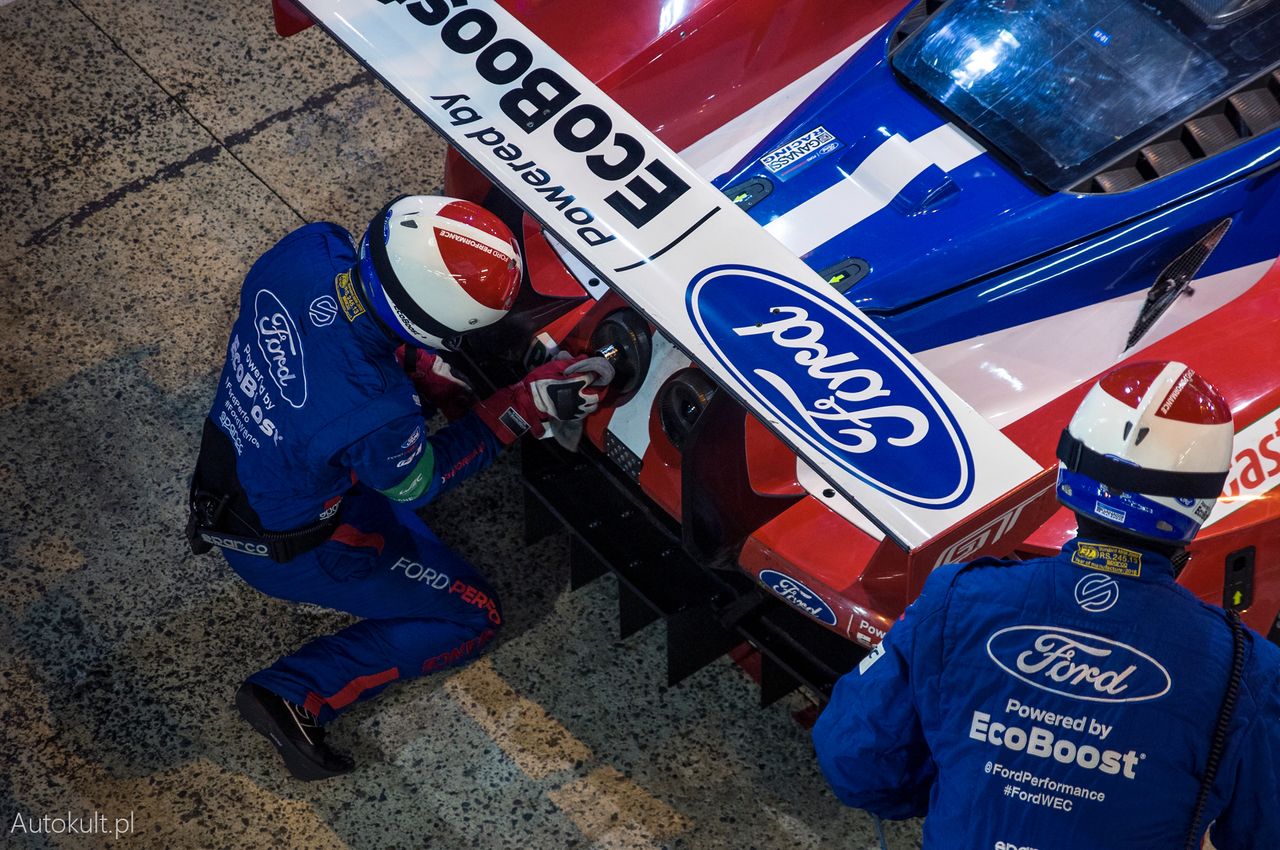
{"type": "Point", "coordinates": [850, 401]}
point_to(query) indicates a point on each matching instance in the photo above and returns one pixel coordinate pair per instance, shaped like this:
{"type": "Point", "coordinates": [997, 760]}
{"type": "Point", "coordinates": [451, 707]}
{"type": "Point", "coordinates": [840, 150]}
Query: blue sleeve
{"type": "Point", "coordinates": [411, 467]}
{"type": "Point", "coordinates": [869, 739]}
{"type": "Point", "coordinates": [1249, 819]}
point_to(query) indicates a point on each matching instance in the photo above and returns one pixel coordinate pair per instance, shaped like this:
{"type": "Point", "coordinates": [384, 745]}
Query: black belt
{"type": "Point", "coordinates": [220, 513]}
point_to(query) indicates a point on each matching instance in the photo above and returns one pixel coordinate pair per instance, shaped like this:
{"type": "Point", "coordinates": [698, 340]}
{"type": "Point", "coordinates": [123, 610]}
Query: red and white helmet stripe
{"type": "Point", "coordinates": [456, 267]}
{"type": "Point", "coordinates": [1158, 416]}
{"type": "Point", "coordinates": [1147, 451]}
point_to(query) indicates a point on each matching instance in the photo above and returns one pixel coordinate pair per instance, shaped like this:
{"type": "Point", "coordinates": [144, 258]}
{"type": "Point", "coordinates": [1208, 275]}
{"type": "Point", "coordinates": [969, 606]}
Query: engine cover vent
{"type": "Point", "coordinates": [1248, 112]}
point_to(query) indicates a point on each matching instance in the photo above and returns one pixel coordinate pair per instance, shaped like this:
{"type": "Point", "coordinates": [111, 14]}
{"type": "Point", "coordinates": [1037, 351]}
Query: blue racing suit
{"type": "Point", "coordinates": [1058, 704]}
{"type": "Point", "coordinates": [322, 419]}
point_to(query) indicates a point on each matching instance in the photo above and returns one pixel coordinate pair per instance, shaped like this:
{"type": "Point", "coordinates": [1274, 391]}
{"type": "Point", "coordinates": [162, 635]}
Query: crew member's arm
{"type": "Point", "coordinates": [869, 739]}
{"type": "Point", "coordinates": [1250, 819]}
{"type": "Point", "coordinates": [407, 466]}
{"type": "Point", "coordinates": [438, 385]}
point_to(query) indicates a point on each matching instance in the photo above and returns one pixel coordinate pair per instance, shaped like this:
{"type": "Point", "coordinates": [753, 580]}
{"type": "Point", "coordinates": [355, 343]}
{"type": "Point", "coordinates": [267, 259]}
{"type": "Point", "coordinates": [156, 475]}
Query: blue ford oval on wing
{"type": "Point", "coordinates": [834, 377]}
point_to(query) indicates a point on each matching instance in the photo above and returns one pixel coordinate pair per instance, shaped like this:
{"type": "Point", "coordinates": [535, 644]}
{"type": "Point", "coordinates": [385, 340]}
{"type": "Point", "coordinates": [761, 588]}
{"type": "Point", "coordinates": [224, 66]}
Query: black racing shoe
{"type": "Point", "coordinates": [293, 731]}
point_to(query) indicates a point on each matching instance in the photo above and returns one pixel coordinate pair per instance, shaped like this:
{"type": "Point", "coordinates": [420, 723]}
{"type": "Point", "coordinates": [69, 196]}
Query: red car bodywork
{"type": "Point", "coordinates": [685, 69]}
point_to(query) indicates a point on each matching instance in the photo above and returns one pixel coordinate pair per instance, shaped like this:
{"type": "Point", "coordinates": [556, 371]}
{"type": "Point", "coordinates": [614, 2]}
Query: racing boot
{"type": "Point", "coordinates": [293, 731]}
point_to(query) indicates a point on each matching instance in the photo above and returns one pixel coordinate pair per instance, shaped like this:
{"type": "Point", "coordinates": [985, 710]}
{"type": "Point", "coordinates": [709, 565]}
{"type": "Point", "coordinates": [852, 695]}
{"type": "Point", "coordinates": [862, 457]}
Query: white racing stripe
{"type": "Point", "coordinates": [720, 150]}
{"type": "Point", "coordinates": [871, 187]}
{"type": "Point", "coordinates": [1009, 373]}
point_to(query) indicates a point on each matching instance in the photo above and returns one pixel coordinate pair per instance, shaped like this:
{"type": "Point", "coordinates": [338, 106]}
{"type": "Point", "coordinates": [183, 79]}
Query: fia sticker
{"type": "Point", "coordinates": [352, 308]}
{"type": "Point", "coordinates": [1109, 559]}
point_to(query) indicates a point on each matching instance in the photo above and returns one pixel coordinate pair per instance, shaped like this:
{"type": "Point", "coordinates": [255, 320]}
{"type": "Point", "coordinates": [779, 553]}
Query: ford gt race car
{"type": "Point", "coordinates": [852, 316]}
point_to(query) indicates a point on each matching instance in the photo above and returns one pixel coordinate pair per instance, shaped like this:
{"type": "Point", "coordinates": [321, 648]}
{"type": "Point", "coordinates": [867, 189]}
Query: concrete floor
{"type": "Point", "coordinates": [151, 150]}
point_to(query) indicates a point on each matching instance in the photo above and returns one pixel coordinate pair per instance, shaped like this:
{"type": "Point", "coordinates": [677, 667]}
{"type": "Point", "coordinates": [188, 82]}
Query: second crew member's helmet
{"type": "Point", "coordinates": [1147, 452]}
{"type": "Point", "coordinates": [434, 269]}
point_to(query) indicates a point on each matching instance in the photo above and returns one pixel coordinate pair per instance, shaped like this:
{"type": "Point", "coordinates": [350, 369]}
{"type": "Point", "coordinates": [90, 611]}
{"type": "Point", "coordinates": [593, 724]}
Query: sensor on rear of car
{"type": "Point", "coordinates": [681, 402]}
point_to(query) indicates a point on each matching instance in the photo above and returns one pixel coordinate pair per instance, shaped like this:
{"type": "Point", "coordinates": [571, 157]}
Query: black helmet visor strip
{"type": "Point", "coordinates": [391, 286]}
{"type": "Point", "coordinates": [1127, 478]}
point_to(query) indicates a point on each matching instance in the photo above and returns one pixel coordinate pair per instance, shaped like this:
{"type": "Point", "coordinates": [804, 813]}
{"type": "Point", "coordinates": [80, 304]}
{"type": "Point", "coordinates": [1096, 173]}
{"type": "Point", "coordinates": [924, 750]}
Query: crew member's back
{"type": "Point", "coordinates": [1072, 702]}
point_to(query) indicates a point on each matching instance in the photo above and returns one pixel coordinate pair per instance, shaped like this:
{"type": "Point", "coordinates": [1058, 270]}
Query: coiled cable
{"type": "Point", "coordinates": [1219, 741]}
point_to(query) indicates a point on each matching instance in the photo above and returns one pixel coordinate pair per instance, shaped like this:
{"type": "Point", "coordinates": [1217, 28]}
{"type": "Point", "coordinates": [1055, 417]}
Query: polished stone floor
{"type": "Point", "coordinates": [150, 150]}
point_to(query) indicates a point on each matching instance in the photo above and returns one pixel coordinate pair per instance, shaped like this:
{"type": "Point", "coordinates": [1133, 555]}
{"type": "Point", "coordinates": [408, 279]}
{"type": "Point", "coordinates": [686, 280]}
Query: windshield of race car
{"type": "Point", "coordinates": [1063, 87]}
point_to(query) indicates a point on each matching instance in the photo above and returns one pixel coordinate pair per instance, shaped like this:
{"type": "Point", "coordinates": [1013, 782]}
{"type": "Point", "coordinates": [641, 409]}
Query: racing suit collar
{"type": "Point", "coordinates": [373, 334]}
{"type": "Point", "coordinates": [1118, 555]}
{"type": "Point", "coordinates": [362, 295]}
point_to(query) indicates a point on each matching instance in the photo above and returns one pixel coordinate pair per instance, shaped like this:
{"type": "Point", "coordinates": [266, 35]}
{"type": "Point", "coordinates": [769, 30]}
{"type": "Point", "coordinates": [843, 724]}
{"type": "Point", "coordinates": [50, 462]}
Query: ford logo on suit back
{"type": "Point", "coordinates": [281, 345]}
{"type": "Point", "coordinates": [798, 595]}
{"type": "Point", "coordinates": [1078, 664]}
{"type": "Point", "coordinates": [826, 371]}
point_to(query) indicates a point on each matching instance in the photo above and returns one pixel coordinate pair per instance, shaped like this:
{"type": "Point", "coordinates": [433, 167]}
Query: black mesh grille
{"type": "Point", "coordinates": [1175, 280]}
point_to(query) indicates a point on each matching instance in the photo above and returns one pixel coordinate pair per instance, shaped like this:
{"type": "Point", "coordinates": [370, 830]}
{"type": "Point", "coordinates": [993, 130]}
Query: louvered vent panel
{"type": "Point", "coordinates": [1210, 134]}
{"type": "Point", "coordinates": [1249, 112]}
{"type": "Point", "coordinates": [1255, 110]}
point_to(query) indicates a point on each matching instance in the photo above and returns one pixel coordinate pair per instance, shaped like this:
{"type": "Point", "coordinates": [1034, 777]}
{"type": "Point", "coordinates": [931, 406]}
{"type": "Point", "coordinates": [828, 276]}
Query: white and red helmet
{"type": "Point", "coordinates": [435, 268]}
{"type": "Point", "coordinates": [1147, 451]}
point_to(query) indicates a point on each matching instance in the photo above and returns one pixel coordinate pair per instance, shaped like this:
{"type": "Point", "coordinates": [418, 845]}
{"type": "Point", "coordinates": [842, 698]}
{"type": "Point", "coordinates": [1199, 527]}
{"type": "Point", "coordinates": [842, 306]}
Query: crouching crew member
{"type": "Point", "coordinates": [316, 452]}
{"type": "Point", "coordinates": [1084, 700]}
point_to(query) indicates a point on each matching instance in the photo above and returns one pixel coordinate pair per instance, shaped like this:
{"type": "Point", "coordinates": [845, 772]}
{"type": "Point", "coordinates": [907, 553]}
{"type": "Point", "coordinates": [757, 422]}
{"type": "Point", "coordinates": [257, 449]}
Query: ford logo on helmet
{"type": "Point", "coordinates": [799, 595]}
{"type": "Point", "coordinates": [1078, 664]}
{"type": "Point", "coordinates": [831, 375]}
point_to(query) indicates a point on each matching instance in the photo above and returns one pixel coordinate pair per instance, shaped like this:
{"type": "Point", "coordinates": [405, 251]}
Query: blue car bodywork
{"type": "Point", "coordinates": [939, 256]}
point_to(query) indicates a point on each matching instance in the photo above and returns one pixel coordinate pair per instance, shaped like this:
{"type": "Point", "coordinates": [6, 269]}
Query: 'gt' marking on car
{"type": "Point", "coordinates": [967, 548]}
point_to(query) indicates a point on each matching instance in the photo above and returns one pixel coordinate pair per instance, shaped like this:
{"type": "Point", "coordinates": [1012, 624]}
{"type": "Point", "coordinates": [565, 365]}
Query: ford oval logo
{"type": "Point", "coordinates": [798, 595]}
{"type": "Point", "coordinates": [831, 375]}
{"type": "Point", "coordinates": [1078, 664]}
{"type": "Point", "coordinates": [281, 345]}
